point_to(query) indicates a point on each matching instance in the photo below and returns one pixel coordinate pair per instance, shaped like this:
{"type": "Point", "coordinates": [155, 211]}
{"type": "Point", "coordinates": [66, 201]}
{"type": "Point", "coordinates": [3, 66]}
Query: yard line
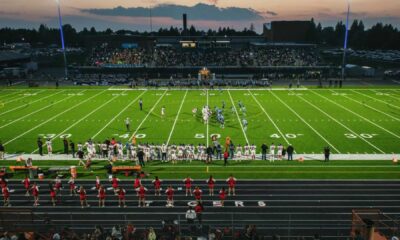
{"type": "Point", "coordinates": [31, 102]}
{"type": "Point", "coordinates": [176, 119]}
{"type": "Point", "coordinates": [358, 115]}
{"type": "Point", "coordinates": [208, 120]}
{"type": "Point", "coordinates": [305, 122]}
{"type": "Point", "coordinates": [397, 98]}
{"type": "Point", "coordinates": [6, 95]}
{"type": "Point", "coordinates": [237, 115]}
{"type": "Point", "coordinates": [272, 121]}
{"type": "Point", "coordinates": [148, 114]}
{"type": "Point", "coordinates": [395, 118]}
{"type": "Point", "coordinates": [87, 115]}
{"type": "Point", "coordinates": [376, 99]}
{"type": "Point", "coordinates": [55, 116]}
{"type": "Point", "coordinates": [27, 115]}
{"type": "Point", "coordinates": [21, 97]}
{"type": "Point", "coordinates": [123, 110]}
{"type": "Point", "coordinates": [334, 119]}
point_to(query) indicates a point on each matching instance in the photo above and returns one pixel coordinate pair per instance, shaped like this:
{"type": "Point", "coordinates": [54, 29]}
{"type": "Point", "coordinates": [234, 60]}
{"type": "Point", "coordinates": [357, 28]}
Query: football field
{"type": "Point", "coordinates": [356, 120]}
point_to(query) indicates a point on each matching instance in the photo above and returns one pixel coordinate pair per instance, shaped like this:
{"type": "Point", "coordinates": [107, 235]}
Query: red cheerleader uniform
{"type": "Point", "coordinates": [231, 182]}
{"type": "Point", "coordinates": [6, 192]}
{"type": "Point", "coordinates": [137, 183]}
{"type": "Point", "coordinates": [170, 194]}
{"type": "Point", "coordinates": [102, 194]}
{"type": "Point", "coordinates": [211, 183]}
{"type": "Point", "coordinates": [82, 195]}
{"type": "Point", "coordinates": [97, 183]}
{"type": "Point", "coordinates": [52, 193]}
{"type": "Point", "coordinates": [115, 183]}
{"type": "Point", "coordinates": [157, 184]}
{"type": "Point", "coordinates": [142, 191]}
{"type": "Point", "coordinates": [121, 194]}
{"type": "Point", "coordinates": [35, 191]}
{"type": "Point", "coordinates": [222, 195]}
{"type": "Point", "coordinates": [188, 182]}
{"type": "Point", "coordinates": [27, 183]}
{"type": "Point", "coordinates": [197, 194]}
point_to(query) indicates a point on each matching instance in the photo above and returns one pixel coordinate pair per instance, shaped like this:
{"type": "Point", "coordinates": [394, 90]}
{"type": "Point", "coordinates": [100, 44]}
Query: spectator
{"type": "Point", "coordinates": [290, 150]}
{"type": "Point", "coordinates": [190, 215]}
{"type": "Point", "coordinates": [264, 149]}
{"type": "Point", "coordinates": [152, 234]}
{"type": "Point", "coordinates": [140, 156]}
{"type": "Point", "coordinates": [327, 152]}
{"type": "Point", "coordinates": [199, 211]}
{"type": "Point", "coordinates": [72, 146]}
{"type": "Point", "coordinates": [209, 151]}
{"type": "Point", "coordinates": [226, 156]}
{"type": "Point", "coordinates": [65, 143]}
{"type": "Point", "coordinates": [1, 151]}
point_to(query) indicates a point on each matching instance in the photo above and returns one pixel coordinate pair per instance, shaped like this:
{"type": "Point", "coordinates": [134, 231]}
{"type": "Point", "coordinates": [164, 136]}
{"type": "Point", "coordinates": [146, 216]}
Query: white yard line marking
{"type": "Point", "coordinates": [148, 114]}
{"type": "Point", "coordinates": [334, 119]}
{"type": "Point", "coordinates": [379, 100]}
{"type": "Point", "coordinates": [40, 109]}
{"type": "Point", "coordinates": [394, 91]}
{"type": "Point", "coordinates": [207, 127]}
{"type": "Point", "coordinates": [272, 121]}
{"type": "Point", "coordinates": [55, 116]}
{"type": "Point", "coordinates": [364, 104]}
{"type": "Point", "coordinates": [21, 97]}
{"type": "Point", "coordinates": [238, 117]}
{"type": "Point", "coordinates": [304, 121]}
{"type": "Point", "coordinates": [113, 119]}
{"type": "Point", "coordinates": [8, 94]}
{"type": "Point", "coordinates": [358, 115]}
{"type": "Point", "coordinates": [87, 115]}
{"type": "Point", "coordinates": [176, 119]}
{"type": "Point", "coordinates": [31, 102]}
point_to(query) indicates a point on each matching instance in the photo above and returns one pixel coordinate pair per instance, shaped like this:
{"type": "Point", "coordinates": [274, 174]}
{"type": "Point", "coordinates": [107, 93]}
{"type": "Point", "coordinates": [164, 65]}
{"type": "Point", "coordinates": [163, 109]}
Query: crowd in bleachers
{"type": "Point", "coordinates": [170, 56]}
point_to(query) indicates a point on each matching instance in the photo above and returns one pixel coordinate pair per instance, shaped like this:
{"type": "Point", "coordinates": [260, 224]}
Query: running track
{"type": "Point", "coordinates": [293, 208]}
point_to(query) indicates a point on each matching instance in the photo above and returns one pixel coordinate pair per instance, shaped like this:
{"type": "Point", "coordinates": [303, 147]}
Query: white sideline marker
{"type": "Point", "coordinates": [334, 119]}
{"type": "Point", "coordinates": [176, 118]}
{"type": "Point", "coordinates": [272, 121]}
{"type": "Point", "coordinates": [306, 123]}
{"type": "Point", "coordinates": [237, 115]}
{"type": "Point", "coordinates": [358, 115]}
{"type": "Point", "coordinates": [23, 96]}
{"type": "Point", "coordinates": [48, 120]}
{"type": "Point", "coordinates": [113, 119]}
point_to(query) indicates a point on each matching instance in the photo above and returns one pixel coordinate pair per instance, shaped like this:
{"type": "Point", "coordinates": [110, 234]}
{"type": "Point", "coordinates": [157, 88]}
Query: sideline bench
{"type": "Point", "coordinates": [20, 168]}
{"type": "Point", "coordinates": [126, 169]}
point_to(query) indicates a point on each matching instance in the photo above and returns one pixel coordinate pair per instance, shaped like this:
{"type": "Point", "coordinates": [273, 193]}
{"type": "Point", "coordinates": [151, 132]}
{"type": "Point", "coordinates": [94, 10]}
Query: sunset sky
{"type": "Point", "coordinates": [80, 13]}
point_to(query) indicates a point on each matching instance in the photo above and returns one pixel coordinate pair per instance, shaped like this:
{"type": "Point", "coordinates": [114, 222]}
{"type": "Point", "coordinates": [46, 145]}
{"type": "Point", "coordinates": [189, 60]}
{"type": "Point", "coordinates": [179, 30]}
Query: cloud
{"type": "Point", "coordinates": [199, 11]}
{"type": "Point", "coordinates": [271, 13]}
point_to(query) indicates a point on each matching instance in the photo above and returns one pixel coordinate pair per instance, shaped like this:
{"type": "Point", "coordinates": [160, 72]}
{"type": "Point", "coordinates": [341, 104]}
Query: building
{"type": "Point", "coordinates": [287, 31]}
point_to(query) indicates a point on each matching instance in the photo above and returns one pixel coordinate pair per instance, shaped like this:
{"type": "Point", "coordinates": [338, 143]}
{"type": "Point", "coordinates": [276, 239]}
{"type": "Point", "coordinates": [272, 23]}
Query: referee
{"type": "Point", "coordinates": [127, 124]}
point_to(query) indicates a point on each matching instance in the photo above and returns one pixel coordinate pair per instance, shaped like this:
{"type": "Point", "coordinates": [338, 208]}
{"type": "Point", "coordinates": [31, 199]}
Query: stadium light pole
{"type": "Point", "coordinates": [346, 35]}
{"type": "Point", "coordinates": [62, 40]}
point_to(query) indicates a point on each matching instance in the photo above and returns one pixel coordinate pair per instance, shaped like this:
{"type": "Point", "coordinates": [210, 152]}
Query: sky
{"type": "Point", "coordinates": [134, 14]}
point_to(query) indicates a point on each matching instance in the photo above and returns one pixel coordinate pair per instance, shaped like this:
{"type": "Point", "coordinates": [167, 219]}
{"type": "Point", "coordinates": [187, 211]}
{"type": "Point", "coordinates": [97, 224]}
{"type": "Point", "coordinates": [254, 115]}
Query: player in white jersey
{"type": "Point", "coordinates": [246, 151]}
{"type": "Point", "coordinates": [120, 148]}
{"type": "Point", "coordinates": [110, 152]}
{"type": "Point", "coordinates": [80, 146]}
{"type": "Point", "coordinates": [180, 152]}
{"type": "Point", "coordinates": [253, 152]}
{"type": "Point", "coordinates": [280, 148]}
{"type": "Point", "coordinates": [49, 146]}
{"type": "Point", "coordinates": [239, 151]}
{"type": "Point", "coordinates": [272, 152]}
{"type": "Point", "coordinates": [146, 153]}
{"type": "Point", "coordinates": [244, 123]}
{"type": "Point", "coordinates": [163, 111]}
{"type": "Point", "coordinates": [173, 155]}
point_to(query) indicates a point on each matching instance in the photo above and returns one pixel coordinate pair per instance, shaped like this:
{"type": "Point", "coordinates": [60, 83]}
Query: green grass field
{"type": "Point", "coordinates": [348, 120]}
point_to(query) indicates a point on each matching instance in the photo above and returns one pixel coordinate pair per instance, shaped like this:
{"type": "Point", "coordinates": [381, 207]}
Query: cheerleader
{"type": "Point", "coordinates": [188, 185]}
{"type": "Point", "coordinates": [58, 185]}
{"type": "Point", "coordinates": [102, 196]}
{"type": "Point", "coordinates": [170, 196]}
{"type": "Point", "coordinates": [82, 197]}
{"type": "Point", "coordinates": [72, 187]}
{"type": "Point", "coordinates": [222, 196]}
{"type": "Point", "coordinates": [157, 186]}
{"type": "Point", "coordinates": [141, 191]}
{"type": "Point", "coordinates": [114, 183]}
{"type": "Point", "coordinates": [97, 184]}
{"type": "Point", "coordinates": [6, 196]}
{"type": "Point", "coordinates": [197, 194]}
{"type": "Point", "coordinates": [231, 185]}
{"type": "Point", "coordinates": [35, 194]}
{"type": "Point", "coordinates": [52, 194]}
{"type": "Point", "coordinates": [137, 184]}
{"type": "Point", "coordinates": [27, 185]}
{"type": "Point", "coordinates": [211, 183]}
{"type": "Point", "coordinates": [121, 197]}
